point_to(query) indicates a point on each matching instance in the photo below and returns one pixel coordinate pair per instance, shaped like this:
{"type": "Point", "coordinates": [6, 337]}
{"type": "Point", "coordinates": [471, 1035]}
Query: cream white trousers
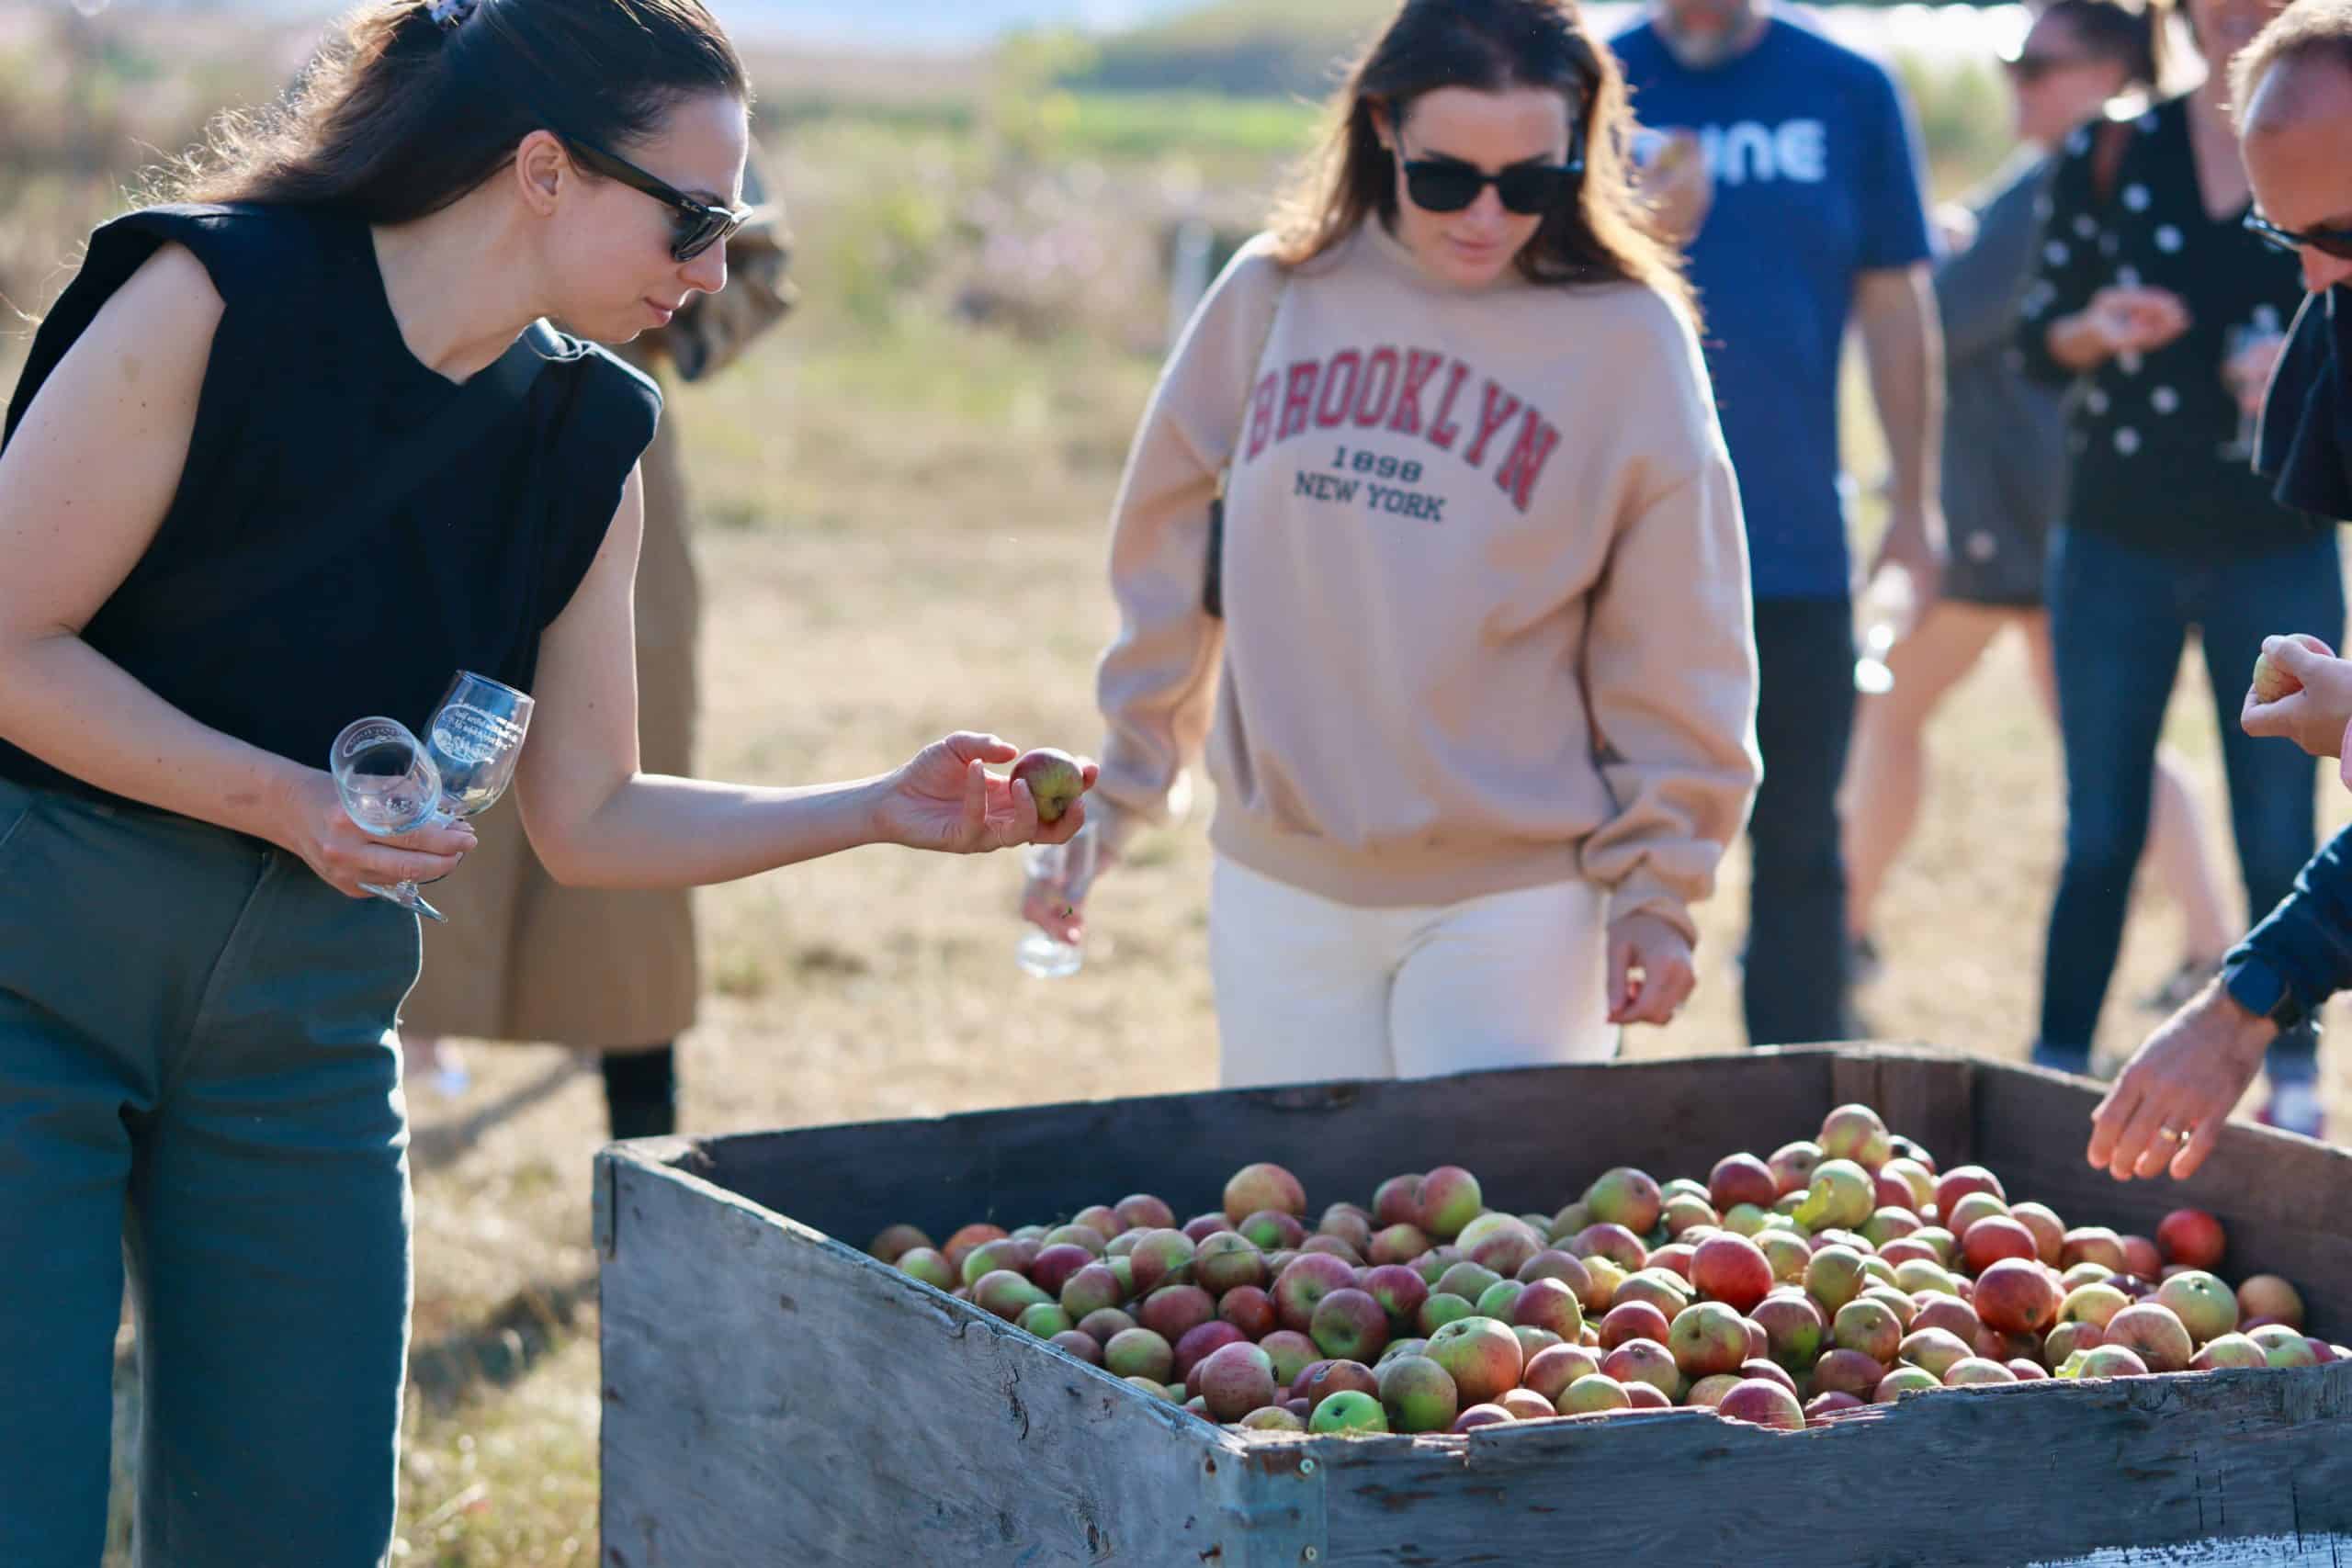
{"type": "Point", "coordinates": [1311, 989]}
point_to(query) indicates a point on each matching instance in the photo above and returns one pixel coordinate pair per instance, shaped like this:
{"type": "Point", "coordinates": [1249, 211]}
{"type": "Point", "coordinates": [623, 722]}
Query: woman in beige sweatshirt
{"type": "Point", "coordinates": [1480, 703]}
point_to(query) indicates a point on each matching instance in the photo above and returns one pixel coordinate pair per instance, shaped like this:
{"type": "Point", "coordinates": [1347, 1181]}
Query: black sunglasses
{"type": "Point", "coordinates": [2337, 243]}
{"type": "Point", "coordinates": [1449, 184]}
{"type": "Point", "coordinates": [695, 226]}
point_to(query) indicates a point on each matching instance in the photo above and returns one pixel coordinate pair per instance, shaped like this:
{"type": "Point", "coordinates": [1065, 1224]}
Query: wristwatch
{"type": "Point", "coordinates": [2255, 984]}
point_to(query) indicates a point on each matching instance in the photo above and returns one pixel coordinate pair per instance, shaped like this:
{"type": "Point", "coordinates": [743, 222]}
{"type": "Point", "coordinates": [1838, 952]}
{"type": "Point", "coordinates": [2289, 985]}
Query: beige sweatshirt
{"type": "Point", "coordinates": [1487, 617]}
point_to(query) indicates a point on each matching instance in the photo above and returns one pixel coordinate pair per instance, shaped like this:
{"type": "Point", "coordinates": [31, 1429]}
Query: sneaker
{"type": "Point", "coordinates": [2295, 1108]}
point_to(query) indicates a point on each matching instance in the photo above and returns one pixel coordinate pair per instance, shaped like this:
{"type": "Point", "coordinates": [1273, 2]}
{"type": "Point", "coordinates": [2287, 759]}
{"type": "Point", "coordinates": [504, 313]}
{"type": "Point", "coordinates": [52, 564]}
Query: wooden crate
{"type": "Point", "coordinates": [772, 1395]}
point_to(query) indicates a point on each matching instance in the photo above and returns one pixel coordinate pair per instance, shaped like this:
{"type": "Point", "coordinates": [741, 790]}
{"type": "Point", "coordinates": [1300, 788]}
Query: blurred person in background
{"type": "Point", "coordinates": [2152, 294]}
{"type": "Point", "coordinates": [609, 972]}
{"type": "Point", "coordinates": [2293, 95]}
{"type": "Point", "coordinates": [1810, 216]}
{"type": "Point", "coordinates": [1479, 705]}
{"type": "Point", "coordinates": [285, 455]}
{"type": "Point", "coordinates": [2004, 484]}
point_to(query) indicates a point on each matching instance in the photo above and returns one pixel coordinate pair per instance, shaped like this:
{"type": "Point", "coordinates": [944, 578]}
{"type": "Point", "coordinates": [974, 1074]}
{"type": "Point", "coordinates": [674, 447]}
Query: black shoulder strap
{"type": "Point", "coordinates": [234, 581]}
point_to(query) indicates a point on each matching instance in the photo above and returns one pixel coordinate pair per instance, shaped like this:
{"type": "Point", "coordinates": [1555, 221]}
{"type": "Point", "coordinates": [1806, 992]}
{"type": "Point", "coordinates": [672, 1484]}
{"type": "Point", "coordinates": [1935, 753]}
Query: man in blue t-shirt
{"type": "Point", "coordinates": [1816, 218]}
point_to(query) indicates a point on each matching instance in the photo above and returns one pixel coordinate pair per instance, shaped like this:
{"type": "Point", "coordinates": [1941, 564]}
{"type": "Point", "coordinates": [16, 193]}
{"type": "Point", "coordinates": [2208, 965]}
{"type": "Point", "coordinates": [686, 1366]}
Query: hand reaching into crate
{"type": "Point", "coordinates": [2167, 1108]}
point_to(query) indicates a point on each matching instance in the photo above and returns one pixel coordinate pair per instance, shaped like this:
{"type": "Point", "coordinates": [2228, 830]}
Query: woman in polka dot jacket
{"type": "Point", "coordinates": [2004, 486]}
{"type": "Point", "coordinates": [2167, 311]}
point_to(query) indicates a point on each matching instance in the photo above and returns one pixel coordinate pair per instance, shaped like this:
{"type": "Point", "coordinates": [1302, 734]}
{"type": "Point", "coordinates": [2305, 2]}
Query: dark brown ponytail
{"type": "Point", "coordinates": [411, 105]}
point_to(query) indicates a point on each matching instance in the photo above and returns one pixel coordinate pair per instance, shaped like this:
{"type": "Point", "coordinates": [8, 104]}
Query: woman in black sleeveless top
{"type": "Point", "coordinates": [205, 582]}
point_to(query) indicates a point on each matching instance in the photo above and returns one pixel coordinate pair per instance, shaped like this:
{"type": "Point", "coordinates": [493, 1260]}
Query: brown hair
{"type": "Point", "coordinates": [402, 113]}
{"type": "Point", "coordinates": [1489, 46]}
{"type": "Point", "coordinates": [2130, 32]}
{"type": "Point", "coordinates": [2305, 28]}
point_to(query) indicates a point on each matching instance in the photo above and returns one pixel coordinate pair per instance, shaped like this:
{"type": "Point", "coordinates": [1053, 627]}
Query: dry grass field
{"type": "Point", "coordinates": [902, 522]}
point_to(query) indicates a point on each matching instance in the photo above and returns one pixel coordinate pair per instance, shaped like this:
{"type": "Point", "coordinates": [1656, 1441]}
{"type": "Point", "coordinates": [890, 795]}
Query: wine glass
{"type": "Point", "coordinates": [470, 748]}
{"type": "Point", "coordinates": [2262, 332]}
{"type": "Point", "coordinates": [1070, 869]}
{"type": "Point", "coordinates": [390, 786]}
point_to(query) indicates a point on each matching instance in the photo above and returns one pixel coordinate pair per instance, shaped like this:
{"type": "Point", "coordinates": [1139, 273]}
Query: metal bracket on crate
{"type": "Point", "coordinates": [1273, 1493]}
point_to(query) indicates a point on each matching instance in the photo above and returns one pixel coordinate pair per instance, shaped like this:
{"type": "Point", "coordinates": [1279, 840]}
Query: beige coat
{"type": "Point", "coordinates": [522, 959]}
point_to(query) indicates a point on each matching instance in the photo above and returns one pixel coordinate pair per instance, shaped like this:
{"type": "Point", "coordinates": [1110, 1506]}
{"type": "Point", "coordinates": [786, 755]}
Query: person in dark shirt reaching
{"type": "Point", "coordinates": [2293, 89]}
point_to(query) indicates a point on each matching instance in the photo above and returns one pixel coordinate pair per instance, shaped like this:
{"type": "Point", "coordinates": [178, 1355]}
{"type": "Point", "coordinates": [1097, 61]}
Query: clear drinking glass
{"type": "Point", "coordinates": [1068, 869]}
{"type": "Point", "coordinates": [469, 754]}
{"type": "Point", "coordinates": [2262, 331]}
{"type": "Point", "coordinates": [1883, 617]}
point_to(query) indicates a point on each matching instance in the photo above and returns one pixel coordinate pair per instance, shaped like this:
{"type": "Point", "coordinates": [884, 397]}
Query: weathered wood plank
{"type": "Point", "coordinates": [2032, 1471]}
{"type": "Point", "coordinates": [773, 1398]}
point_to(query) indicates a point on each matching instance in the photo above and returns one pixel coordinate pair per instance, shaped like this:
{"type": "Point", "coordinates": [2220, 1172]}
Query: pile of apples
{"type": "Point", "coordinates": [1840, 1271]}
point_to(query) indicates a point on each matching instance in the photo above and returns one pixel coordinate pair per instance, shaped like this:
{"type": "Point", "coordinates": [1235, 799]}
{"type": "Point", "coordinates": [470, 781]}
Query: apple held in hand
{"type": "Point", "coordinates": [1055, 779]}
{"type": "Point", "coordinates": [2273, 684]}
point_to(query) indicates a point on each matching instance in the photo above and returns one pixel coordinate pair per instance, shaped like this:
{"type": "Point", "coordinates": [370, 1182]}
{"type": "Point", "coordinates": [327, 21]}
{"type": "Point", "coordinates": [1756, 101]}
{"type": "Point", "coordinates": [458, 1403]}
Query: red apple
{"type": "Point", "coordinates": [1731, 1269]}
{"type": "Point", "coordinates": [2017, 1296]}
{"type": "Point", "coordinates": [1636, 1320]}
{"type": "Point", "coordinates": [1741, 1179]}
{"type": "Point", "coordinates": [1988, 1241]}
{"type": "Point", "coordinates": [1848, 1372]}
{"type": "Point", "coordinates": [1142, 1212]}
{"type": "Point", "coordinates": [1273, 1230]}
{"type": "Point", "coordinates": [1449, 1200]}
{"type": "Point", "coordinates": [1397, 1201]}
{"type": "Point", "coordinates": [1868, 1327]}
{"type": "Point", "coordinates": [1772, 1372]}
{"type": "Point", "coordinates": [1310, 1276]}
{"type": "Point", "coordinates": [1935, 1350]}
{"type": "Point", "coordinates": [1326, 1378]}
{"type": "Point", "coordinates": [2268, 1296]}
{"type": "Point", "coordinates": [2049, 1230]}
{"type": "Point", "coordinates": [1418, 1395]}
{"type": "Point", "coordinates": [2092, 1244]}
{"type": "Point", "coordinates": [1793, 1328]}
{"type": "Point", "coordinates": [2192, 1237]}
{"type": "Point", "coordinates": [1792, 1165]}
{"type": "Point", "coordinates": [1626, 1197]}
{"type": "Point", "coordinates": [1645, 1361]}
{"type": "Point", "coordinates": [1595, 1395]}
{"type": "Point", "coordinates": [1549, 1305]}
{"type": "Point", "coordinates": [1173, 1310]}
{"type": "Point", "coordinates": [1249, 1309]}
{"type": "Point", "coordinates": [1055, 779]}
{"type": "Point", "coordinates": [2228, 1351]}
{"type": "Point", "coordinates": [1205, 1341]}
{"type": "Point", "coordinates": [2206, 1307]}
{"type": "Point", "coordinates": [1762, 1403]}
{"type": "Point", "coordinates": [1549, 1373]}
{"type": "Point", "coordinates": [2154, 1333]}
{"type": "Point", "coordinates": [1958, 1183]}
{"type": "Point", "coordinates": [1855, 1133]}
{"type": "Point", "coordinates": [1349, 1325]}
{"type": "Point", "coordinates": [1977, 1371]}
{"type": "Point", "coordinates": [1613, 1242]}
{"type": "Point", "coordinates": [2140, 1258]}
{"type": "Point", "coordinates": [1481, 1356]}
{"type": "Point", "coordinates": [1707, 1339]}
{"type": "Point", "coordinates": [1822, 1407]}
{"type": "Point", "coordinates": [1903, 1381]}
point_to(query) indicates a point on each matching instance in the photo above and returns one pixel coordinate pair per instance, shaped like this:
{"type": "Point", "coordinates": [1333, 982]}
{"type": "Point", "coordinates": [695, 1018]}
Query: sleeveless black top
{"type": "Point", "coordinates": [309, 381]}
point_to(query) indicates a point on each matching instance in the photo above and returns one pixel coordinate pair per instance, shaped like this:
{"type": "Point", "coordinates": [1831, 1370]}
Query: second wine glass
{"type": "Point", "coordinates": [472, 743]}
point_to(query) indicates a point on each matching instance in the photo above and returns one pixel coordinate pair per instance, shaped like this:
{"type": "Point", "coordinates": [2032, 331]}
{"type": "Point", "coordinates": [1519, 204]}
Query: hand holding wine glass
{"type": "Point", "coordinates": [393, 783]}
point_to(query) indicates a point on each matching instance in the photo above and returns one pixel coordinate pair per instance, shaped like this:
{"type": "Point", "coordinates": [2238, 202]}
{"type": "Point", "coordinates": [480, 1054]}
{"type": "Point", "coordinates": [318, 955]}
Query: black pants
{"type": "Point", "coordinates": [1794, 984]}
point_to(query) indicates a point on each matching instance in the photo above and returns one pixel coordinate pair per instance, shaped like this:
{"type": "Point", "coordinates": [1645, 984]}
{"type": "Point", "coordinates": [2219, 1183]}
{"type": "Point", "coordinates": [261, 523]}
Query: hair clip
{"type": "Point", "coordinates": [450, 15]}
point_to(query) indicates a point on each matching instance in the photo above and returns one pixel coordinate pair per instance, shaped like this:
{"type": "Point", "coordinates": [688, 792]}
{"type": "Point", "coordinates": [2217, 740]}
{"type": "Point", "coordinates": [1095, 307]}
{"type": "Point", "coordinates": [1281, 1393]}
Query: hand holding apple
{"type": "Point", "coordinates": [2302, 692]}
{"type": "Point", "coordinates": [945, 799]}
